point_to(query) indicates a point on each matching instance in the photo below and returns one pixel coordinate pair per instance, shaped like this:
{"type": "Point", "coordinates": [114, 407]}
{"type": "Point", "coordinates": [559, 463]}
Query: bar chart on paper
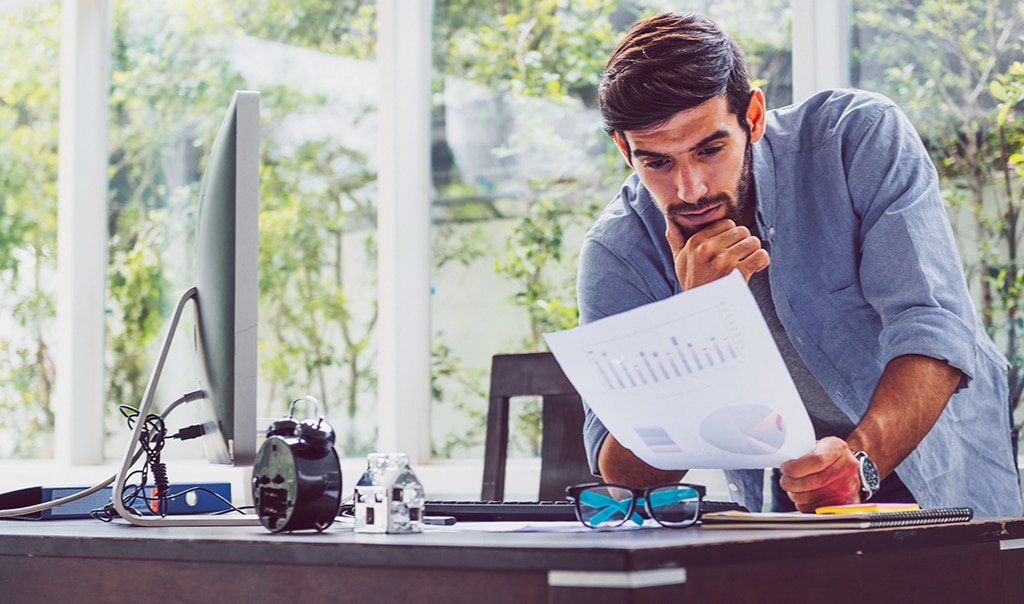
{"type": "Point", "coordinates": [674, 351]}
{"type": "Point", "coordinates": [691, 381]}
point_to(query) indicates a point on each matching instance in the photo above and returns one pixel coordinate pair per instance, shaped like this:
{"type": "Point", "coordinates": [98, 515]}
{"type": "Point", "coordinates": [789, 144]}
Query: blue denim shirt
{"type": "Point", "coordinates": [864, 269]}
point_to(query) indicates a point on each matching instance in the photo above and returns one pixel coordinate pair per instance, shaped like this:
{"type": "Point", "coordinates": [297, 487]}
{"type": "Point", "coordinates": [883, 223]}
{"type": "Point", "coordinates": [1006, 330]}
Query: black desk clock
{"type": "Point", "coordinates": [296, 479]}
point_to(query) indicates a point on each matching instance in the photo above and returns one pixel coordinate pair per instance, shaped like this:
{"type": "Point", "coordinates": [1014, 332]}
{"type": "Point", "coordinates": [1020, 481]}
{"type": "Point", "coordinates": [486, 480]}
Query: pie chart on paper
{"type": "Point", "coordinates": [749, 429]}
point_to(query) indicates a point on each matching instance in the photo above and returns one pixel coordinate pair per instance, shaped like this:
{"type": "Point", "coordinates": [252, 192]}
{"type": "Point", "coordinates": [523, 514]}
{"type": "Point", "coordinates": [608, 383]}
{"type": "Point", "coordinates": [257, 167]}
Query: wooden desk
{"type": "Point", "coordinates": [88, 561]}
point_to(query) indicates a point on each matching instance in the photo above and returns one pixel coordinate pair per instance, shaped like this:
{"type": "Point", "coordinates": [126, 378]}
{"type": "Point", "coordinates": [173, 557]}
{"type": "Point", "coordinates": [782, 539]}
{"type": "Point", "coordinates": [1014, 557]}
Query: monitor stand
{"type": "Point", "coordinates": [131, 456]}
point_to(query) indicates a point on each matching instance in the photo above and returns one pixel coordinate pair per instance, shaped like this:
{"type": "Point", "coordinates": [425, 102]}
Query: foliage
{"type": "Point", "coordinates": [532, 56]}
{"type": "Point", "coordinates": [318, 228]}
{"type": "Point", "coordinates": [337, 27]}
{"type": "Point", "coordinates": [1008, 90]}
{"type": "Point", "coordinates": [172, 76]}
{"type": "Point", "coordinates": [311, 207]}
{"type": "Point", "coordinates": [448, 367]}
{"type": "Point", "coordinates": [168, 78]}
{"type": "Point", "coordinates": [172, 71]}
{"type": "Point", "coordinates": [28, 227]}
{"type": "Point", "coordinates": [534, 244]}
{"type": "Point", "coordinates": [544, 49]}
{"type": "Point", "coordinates": [948, 64]}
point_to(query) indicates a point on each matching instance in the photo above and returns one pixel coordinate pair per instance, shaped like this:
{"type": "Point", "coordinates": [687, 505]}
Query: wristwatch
{"type": "Point", "coordinates": [869, 479]}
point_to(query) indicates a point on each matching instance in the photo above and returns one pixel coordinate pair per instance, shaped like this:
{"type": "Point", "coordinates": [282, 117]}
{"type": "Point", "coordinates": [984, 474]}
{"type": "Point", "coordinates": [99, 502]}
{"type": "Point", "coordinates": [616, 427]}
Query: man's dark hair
{"type": "Point", "coordinates": [669, 63]}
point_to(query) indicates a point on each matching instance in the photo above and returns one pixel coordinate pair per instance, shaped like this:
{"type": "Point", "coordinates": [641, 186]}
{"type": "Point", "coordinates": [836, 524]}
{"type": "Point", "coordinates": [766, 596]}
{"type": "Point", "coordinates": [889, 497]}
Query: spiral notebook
{"type": "Point", "coordinates": [853, 520]}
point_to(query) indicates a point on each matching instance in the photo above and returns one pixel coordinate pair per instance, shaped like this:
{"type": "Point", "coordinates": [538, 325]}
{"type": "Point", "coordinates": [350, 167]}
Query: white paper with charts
{"type": "Point", "coordinates": [694, 381]}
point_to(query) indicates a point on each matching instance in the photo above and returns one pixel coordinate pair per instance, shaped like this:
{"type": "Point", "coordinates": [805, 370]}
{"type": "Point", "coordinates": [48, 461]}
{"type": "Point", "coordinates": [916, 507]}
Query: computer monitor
{"type": "Point", "coordinates": [225, 298]}
{"type": "Point", "coordinates": [226, 277]}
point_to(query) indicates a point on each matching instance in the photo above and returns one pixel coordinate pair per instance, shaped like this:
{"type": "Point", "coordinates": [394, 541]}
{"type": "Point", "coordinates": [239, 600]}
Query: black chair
{"type": "Point", "coordinates": [563, 459]}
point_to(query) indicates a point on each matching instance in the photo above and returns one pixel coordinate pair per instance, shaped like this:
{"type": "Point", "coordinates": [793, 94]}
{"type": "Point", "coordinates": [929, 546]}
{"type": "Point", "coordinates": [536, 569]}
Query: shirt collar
{"type": "Point", "coordinates": [764, 186]}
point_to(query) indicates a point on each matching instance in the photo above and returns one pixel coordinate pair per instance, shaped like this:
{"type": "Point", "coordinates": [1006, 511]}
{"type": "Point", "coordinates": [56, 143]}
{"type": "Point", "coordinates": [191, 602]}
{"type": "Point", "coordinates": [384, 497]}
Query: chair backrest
{"type": "Point", "coordinates": [563, 458]}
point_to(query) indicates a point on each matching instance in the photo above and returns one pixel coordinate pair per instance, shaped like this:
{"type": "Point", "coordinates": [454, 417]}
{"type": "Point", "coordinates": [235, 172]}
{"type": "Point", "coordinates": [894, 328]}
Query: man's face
{"type": "Point", "coordinates": [698, 165]}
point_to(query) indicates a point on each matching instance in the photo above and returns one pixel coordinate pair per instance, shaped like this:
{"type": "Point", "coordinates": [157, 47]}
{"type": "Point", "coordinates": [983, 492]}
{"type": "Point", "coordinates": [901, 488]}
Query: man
{"type": "Point", "coordinates": [831, 211]}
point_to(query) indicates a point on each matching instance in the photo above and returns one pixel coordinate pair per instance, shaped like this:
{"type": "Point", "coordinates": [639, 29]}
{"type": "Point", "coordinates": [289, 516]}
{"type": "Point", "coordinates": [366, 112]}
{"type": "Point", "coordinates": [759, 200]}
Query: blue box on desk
{"type": "Point", "coordinates": [204, 502]}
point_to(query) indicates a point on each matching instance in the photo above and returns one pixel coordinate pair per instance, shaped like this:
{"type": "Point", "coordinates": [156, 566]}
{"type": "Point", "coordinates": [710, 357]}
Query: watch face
{"type": "Point", "coordinates": [868, 473]}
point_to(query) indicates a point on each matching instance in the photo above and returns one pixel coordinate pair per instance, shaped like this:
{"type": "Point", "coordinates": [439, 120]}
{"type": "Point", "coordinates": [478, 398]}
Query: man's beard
{"type": "Point", "coordinates": [736, 206]}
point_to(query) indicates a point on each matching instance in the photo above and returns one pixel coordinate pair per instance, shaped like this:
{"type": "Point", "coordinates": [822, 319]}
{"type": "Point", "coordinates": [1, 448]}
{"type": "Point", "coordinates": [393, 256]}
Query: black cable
{"type": "Point", "coordinates": [152, 438]}
{"type": "Point", "coordinates": [189, 432]}
{"type": "Point", "coordinates": [151, 442]}
{"type": "Point", "coordinates": [108, 512]}
{"type": "Point", "coordinates": [230, 506]}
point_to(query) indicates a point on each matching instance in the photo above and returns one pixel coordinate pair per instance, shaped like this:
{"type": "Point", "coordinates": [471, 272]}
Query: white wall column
{"type": "Point", "coordinates": [81, 232]}
{"type": "Point", "coordinates": [403, 226]}
{"type": "Point", "coordinates": [821, 46]}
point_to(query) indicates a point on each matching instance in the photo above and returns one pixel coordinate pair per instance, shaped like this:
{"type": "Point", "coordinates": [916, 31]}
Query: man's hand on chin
{"type": "Point", "coordinates": [713, 252]}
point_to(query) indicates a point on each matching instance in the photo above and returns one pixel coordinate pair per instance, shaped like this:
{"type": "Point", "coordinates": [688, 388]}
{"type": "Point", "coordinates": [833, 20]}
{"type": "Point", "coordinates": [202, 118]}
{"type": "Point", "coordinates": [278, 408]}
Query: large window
{"type": "Point", "coordinates": [174, 69]}
{"type": "Point", "coordinates": [29, 48]}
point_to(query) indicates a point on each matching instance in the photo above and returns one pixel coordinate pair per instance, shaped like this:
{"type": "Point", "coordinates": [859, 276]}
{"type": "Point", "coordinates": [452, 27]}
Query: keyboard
{"type": "Point", "coordinates": [523, 511]}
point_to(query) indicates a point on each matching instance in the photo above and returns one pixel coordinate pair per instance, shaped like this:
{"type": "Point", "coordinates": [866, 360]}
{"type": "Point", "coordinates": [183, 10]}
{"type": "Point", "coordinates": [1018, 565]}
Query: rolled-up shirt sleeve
{"type": "Point", "coordinates": [910, 270]}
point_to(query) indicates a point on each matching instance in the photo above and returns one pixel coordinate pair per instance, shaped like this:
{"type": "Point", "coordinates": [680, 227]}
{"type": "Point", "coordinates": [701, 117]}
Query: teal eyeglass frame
{"type": "Point", "coordinates": [650, 499]}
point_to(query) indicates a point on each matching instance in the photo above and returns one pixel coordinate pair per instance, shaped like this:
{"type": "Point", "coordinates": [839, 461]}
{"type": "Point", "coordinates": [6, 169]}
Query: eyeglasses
{"type": "Point", "coordinates": [597, 505]}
